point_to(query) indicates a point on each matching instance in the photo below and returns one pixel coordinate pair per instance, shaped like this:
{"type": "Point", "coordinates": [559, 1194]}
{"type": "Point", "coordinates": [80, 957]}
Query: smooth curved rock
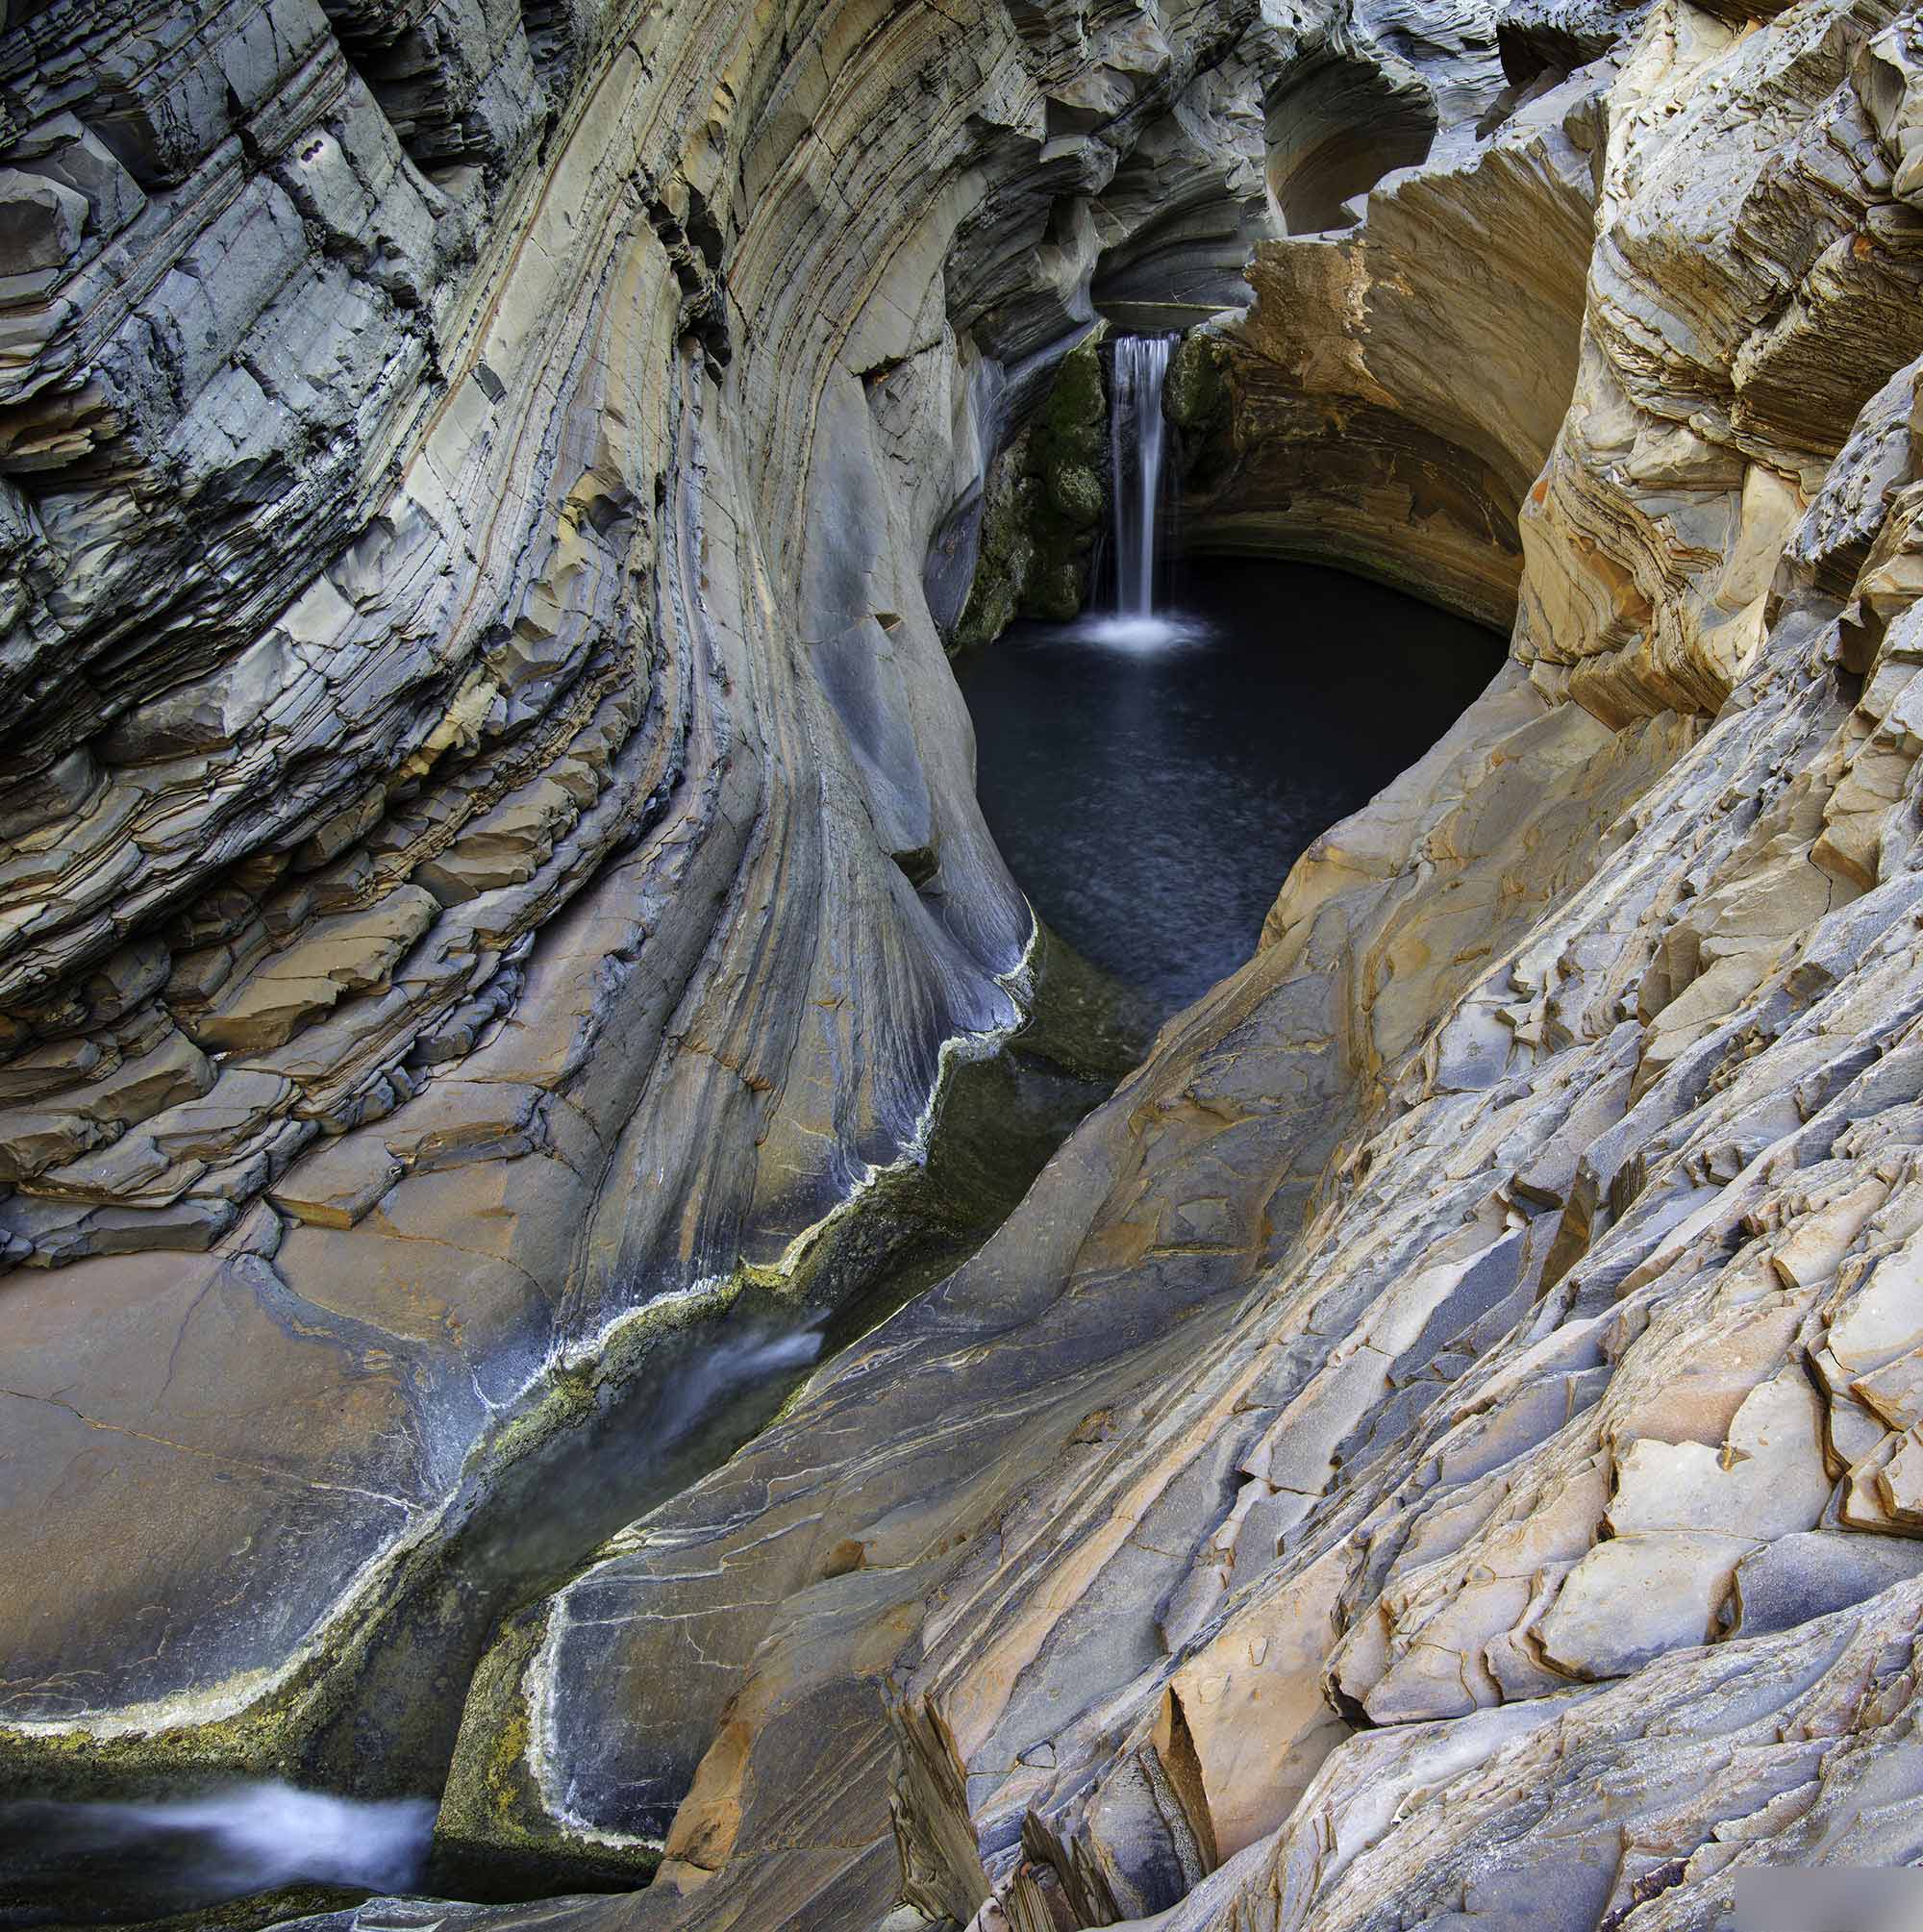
{"type": "Point", "coordinates": [492, 873]}
{"type": "Point", "coordinates": [1389, 399]}
{"type": "Point", "coordinates": [1456, 1313]}
{"type": "Point", "coordinates": [492, 859]}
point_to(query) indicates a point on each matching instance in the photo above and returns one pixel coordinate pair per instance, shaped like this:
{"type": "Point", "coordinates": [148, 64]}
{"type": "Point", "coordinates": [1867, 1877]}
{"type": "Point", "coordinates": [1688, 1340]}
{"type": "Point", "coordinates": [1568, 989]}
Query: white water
{"type": "Point", "coordinates": [1136, 437]}
{"type": "Point", "coordinates": [1156, 631]}
{"type": "Point", "coordinates": [247, 1838]}
{"type": "Point", "coordinates": [181, 1854]}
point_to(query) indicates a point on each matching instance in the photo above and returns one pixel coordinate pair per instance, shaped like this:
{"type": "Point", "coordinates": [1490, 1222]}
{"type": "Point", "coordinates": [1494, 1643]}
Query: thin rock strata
{"type": "Point", "coordinates": [493, 859]}
{"type": "Point", "coordinates": [1440, 1445]}
{"type": "Point", "coordinates": [491, 862]}
{"type": "Point", "coordinates": [1394, 394]}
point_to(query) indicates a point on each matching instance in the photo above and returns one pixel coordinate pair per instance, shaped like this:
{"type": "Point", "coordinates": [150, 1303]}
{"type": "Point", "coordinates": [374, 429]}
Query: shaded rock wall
{"type": "Point", "coordinates": [1394, 394]}
{"type": "Point", "coordinates": [490, 837]}
{"type": "Point", "coordinates": [1439, 1444]}
{"type": "Point", "coordinates": [1042, 502]}
{"type": "Point", "coordinates": [1337, 123]}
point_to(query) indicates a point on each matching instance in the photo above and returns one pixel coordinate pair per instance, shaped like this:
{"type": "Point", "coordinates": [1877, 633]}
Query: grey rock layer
{"type": "Point", "coordinates": [491, 862]}
{"type": "Point", "coordinates": [1442, 1444]}
{"type": "Point", "coordinates": [1438, 1446]}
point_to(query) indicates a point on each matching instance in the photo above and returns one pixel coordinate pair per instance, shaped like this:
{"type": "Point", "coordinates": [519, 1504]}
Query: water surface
{"type": "Point", "coordinates": [1151, 786]}
{"type": "Point", "coordinates": [107, 1863]}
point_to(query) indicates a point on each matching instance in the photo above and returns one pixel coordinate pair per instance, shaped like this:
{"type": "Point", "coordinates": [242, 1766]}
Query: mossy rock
{"type": "Point", "coordinates": [1044, 499]}
{"type": "Point", "coordinates": [1077, 492]}
{"type": "Point", "coordinates": [1195, 395]}
{"type": "Point", "coordinates": [1067, 447]}
{"type": "Point", "coordinates": [1006, 553]}
{"type": "Point", "coordinates": [1056, 590]}
{"type": "Point", "coordinates": [1073, 426]}
{"type": "Point", "coordinates": [992, 602]}
{"type": "Point", "coordinates": [492, 1839]}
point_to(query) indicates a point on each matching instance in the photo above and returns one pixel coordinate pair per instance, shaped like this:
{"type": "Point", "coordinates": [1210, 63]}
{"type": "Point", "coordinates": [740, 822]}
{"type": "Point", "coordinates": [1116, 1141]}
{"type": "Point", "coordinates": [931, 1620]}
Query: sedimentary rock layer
{"type": "Point", "coordinates": [493, 852]}
{"type": "Point", "coordinates": [491, 849]}
{"type": "Point", "coordinates": [1395, 392]}
{"type": "Point", "coordinates": [1438, 1444]}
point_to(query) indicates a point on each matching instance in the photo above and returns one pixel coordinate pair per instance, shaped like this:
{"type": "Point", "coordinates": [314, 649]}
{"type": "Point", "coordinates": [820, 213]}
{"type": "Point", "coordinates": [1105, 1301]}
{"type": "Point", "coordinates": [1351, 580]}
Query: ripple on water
{"type": "Point", "coordinates": [1150, 781]}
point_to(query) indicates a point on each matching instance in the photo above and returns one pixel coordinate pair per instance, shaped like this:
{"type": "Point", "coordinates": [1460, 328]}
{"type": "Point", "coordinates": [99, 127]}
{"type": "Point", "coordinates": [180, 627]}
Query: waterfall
{"type": "Point", "coordinates": [1136, 437]}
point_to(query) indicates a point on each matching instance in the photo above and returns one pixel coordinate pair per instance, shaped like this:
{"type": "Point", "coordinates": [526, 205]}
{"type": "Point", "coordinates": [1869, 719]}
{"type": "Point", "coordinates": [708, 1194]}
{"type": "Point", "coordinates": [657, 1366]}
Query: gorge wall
{"type": "Point", "coordinates": [493, 851]}
{"type": "Point", "coordinates": [493, 873]}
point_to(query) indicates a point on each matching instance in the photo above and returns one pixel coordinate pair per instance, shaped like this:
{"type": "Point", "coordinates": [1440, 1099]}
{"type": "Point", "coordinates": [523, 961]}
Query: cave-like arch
{"type": "Point", "coordinates": [1337, 125]}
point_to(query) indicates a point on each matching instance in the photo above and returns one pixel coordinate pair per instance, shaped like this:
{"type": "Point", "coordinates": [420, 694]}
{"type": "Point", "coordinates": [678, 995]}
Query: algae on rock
{"type": "Point", "coordinates": [1196, 395]}
{"type": "Point", "coordinates": [1043, 505]}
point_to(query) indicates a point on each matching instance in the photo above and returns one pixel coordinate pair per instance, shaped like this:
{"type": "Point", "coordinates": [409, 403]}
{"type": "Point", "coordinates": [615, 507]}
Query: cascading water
{"type": "Point", "coordinates": [1136, 440]}
{"type": "Point", "coordinates": [1136, 437]}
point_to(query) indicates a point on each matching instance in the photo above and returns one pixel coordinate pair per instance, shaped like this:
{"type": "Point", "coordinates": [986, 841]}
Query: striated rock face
{"type": "Point", "coordinates": [491, 844]}
{"type": "Point", "coordinates": [1438, 1445]}
{"type": "Point", "coordinates": [1393, 394]}
{"type": "Point", "coordinates": [493, 858]}
{"type": "Point", "coordinates": [1041, 503]}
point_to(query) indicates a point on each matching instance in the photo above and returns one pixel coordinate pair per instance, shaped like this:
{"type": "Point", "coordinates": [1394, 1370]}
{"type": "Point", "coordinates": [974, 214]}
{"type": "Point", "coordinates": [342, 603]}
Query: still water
{"type": "Point", "coordinates": [1150, 786]}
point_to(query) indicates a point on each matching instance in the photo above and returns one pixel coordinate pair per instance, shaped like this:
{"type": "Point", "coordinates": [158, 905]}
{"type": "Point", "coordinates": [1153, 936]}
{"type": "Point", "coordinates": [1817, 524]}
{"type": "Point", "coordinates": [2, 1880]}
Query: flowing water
{"type": "Point", "coordinates": [1135, 437]}
{"type": "Point", "coordinates": [1149, 797]}
{"type": "Point", "coordinates": [1150, 775]}
{"type": "Point", "coordinates": [680, 1410]}
{"type": "Point", "coordinates": [149, 1859]}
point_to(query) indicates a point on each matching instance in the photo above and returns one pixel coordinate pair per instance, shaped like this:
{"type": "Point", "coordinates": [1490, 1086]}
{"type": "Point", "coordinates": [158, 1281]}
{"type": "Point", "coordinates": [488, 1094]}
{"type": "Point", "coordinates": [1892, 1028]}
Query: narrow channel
{"type": "Point", "coordinates": [1150, 773]}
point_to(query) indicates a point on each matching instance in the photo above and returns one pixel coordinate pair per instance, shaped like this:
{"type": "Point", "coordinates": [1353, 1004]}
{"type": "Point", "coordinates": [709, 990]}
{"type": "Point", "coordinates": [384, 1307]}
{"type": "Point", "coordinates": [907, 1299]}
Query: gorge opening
{"type": "Point", "coordinates": [594, 1301]}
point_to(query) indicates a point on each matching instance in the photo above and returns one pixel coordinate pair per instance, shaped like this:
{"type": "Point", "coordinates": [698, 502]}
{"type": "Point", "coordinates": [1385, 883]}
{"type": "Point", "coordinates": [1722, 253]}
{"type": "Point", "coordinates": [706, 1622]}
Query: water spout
{"type": "Point", "coordinates": [1136, 441]}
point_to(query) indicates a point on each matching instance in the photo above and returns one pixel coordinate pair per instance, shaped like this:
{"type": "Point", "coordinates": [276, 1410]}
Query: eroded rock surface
{"type": "Point", "coordinates": [1437, 1446]}
{"type": "Point", "coordinates": [493, 852]}
{"type": "Point", "coordinates": [490, 843]}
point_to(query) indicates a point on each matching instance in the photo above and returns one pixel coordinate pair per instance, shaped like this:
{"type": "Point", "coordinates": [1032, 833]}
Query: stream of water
{"type": "Point", "coordinates": [678, 1413]}
{"type": "Point", "coordinates": [171, 1856]}
{"type": "Point", "coordinates": [1138, 433]}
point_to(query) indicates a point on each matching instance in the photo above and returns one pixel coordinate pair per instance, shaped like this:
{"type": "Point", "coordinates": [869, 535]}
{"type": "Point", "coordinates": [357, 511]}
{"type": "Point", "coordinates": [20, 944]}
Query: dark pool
{"type": "Point", "coordinates": [1151, 800]}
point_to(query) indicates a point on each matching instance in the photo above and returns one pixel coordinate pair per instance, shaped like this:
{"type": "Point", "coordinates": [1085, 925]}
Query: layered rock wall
{"type": "Point", "coordinates": [492, 853]}
{"type": "Point", "coordinates": [491, 844]}
{"type": "Point", "coordinates": [1436, 1446]}
{"type": "Point", "coordinates": [1340, 420]}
